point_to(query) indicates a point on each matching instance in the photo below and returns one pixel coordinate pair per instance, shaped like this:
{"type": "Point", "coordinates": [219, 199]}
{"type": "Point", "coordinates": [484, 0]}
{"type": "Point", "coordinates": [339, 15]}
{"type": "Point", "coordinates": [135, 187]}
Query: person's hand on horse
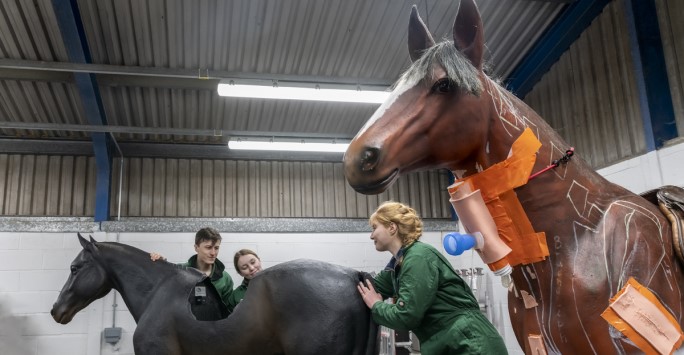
{"type": "Point", "coordinates": [368, 293]}
{"type": "Point", "coordinates": [156, 256]}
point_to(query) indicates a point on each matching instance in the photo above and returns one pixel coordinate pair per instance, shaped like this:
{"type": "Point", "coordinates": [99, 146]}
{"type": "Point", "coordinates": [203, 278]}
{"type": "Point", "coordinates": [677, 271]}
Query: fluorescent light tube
{"type": "Point", "coordinates": [284, 92]}
{"type": "Point", "coordinates": [291, 146]}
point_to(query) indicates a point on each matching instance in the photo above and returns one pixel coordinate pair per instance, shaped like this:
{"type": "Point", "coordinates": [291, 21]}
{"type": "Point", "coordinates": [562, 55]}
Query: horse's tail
{"type": "Point", "coordinates": [372, 340]}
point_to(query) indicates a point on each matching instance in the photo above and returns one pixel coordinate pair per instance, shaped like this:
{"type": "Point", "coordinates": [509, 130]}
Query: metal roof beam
{"type": "Point", "coordinates": [71, 27]}
{"type": "Point", "coordinates": [180, 73]}
{"type": "Point", "coordinates": [158, 150]}
{"type": "Point", "coordinates": [39, 126]}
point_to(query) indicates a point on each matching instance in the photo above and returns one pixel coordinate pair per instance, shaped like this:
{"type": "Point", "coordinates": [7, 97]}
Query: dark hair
{"type": "Point", "coordinates": [242, 252]}
{"type": "Point", "coordinates": [208, 234]}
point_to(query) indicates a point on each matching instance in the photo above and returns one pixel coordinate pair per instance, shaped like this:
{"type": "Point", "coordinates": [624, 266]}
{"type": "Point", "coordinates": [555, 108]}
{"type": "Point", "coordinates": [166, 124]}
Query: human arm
{"type": "Point", "coordinates": [232, 302]}
{"type": "Point", "coordinates": [224, 286]}
{"type": "Point", "coordinates": [383, 284]}
{"type": "Point", "coordinates": [383, 288]}
{"type": "Point", "coordinates": [368, 293]}
{"type": "Point", "coordinates": [417, 290]}
{"type": "Point", "coordinates": [235, 297]}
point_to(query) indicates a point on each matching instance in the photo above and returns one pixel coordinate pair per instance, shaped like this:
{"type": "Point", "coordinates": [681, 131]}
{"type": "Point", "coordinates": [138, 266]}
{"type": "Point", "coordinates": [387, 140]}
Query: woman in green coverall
{"type": "Point", "coordinates": [430, 298]}
{"type": "Point", "coordinates": [247, 264]}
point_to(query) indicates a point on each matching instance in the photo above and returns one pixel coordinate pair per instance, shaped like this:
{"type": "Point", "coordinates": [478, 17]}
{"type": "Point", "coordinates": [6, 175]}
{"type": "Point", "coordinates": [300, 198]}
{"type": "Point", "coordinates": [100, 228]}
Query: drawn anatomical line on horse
{"type": "Point", "coordinates": [630, 211]}
{"type": "Point", "coordinates": [504, 107]}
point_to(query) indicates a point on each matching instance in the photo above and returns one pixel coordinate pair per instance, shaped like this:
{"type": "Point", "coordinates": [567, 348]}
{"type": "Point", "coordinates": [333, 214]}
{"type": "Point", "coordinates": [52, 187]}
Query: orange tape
{"type": "Point", "coordinates": [498, 265]}
{"type": "Point", "coordinates": [496, 184]}
{"type": "Point", "coordinates": [668, 335]}
{"type": "Point", "coordinates": [536, 344]}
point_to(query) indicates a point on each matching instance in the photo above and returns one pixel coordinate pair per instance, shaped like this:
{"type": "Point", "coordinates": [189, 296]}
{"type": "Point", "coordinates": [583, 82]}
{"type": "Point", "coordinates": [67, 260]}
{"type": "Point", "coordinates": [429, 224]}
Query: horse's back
{"type": "Point", "coordinates": [315, 306]}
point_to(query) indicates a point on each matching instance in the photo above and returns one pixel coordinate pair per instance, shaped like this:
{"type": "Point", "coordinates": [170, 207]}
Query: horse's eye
{"type": "Point", "coordinates": [443, 86]}
{"type": "Point", "coordinates": [74, 269]}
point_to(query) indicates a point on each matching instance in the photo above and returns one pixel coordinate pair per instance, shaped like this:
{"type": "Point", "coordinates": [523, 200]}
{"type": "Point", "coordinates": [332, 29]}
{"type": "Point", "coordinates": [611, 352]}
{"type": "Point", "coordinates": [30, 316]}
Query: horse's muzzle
{"type": "Point", "coordinates": [60, 317]}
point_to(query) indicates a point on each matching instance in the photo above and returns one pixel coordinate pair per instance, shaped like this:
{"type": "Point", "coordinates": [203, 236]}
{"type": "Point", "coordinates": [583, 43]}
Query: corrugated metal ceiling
{"type": "Point", "coordinates": [351, 40]}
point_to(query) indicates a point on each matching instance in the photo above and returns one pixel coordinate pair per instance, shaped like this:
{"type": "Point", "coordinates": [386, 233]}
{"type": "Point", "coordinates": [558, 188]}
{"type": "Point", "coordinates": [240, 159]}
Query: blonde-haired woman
{"type": "Point", "coordinates": [430, 298]}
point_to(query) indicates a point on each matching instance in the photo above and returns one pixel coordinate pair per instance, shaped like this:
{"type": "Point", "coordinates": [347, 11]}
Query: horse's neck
{"type": "Point", "coordinates": [134, 275]}
{"type": "Point", "coordinates": [511, 117]}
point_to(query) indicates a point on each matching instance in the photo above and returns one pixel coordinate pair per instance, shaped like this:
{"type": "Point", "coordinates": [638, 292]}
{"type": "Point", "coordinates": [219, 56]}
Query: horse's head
{"type": "Point", "coordinates": [87, 282]}
{"type": "Point", "coordinates": [435, 117]}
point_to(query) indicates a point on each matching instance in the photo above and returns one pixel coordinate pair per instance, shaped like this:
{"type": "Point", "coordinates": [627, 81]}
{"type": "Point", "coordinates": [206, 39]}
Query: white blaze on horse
{"type": "Point", "coordinates": [583, 237]}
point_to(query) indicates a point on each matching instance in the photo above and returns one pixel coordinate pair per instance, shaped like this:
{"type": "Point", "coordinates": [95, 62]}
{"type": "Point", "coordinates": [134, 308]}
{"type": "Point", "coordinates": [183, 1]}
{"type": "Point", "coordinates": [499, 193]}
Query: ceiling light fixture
{"type": "Point", "coordinates": [284, 90]}
{"type": "Point", "coordinates": [288, 144]}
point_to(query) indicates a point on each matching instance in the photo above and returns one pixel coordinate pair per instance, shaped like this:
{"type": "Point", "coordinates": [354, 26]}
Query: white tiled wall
{"type": "Point", "coordinates": [649, 171]}
{"type": "Point", "coordinates": [34, 266]}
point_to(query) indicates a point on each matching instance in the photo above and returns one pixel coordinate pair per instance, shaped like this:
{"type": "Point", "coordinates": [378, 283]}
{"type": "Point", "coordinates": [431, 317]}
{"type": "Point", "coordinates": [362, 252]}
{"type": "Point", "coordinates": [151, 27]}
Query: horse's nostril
{"type": "Point", "coordinates": [369, 159]}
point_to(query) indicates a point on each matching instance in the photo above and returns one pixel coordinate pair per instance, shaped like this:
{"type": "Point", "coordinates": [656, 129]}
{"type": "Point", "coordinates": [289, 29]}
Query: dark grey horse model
{"type": "Point", "coordinates": [299, 307]}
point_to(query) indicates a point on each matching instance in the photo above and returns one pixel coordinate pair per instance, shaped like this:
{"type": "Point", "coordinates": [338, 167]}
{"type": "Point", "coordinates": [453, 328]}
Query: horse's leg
{"type": "Point", "coordinates": [527, 310]}
{"type": "Point", "coordinates": [516, 311]}
{"type": "Point", "coordinates": [148, 340]}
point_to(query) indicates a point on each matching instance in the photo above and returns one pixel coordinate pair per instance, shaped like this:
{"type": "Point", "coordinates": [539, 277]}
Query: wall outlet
{"type": "Point", "coordinates": [112, 335]}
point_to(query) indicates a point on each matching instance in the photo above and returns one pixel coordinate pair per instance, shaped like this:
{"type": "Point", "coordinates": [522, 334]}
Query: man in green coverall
{"type": "Point", "coordinates": [207, 243]}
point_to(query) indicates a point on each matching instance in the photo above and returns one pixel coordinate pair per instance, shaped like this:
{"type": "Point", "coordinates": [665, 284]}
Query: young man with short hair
{"type": "Point", "coordinates": [207, 243]}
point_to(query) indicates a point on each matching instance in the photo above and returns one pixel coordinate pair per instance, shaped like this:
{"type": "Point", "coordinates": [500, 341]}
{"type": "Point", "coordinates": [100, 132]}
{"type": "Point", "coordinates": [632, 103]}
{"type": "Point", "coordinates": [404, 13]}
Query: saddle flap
{"type": "Point", "coordinates": [672, 196]}
{"type": "Point", "coordinates": [671, 203]}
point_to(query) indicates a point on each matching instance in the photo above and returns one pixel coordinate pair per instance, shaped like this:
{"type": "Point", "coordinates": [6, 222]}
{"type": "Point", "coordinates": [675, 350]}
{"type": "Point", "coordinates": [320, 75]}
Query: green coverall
{"type": "Point", "coordinates": [435, 303]}
{"type": "Point", "coordinates": [219, 278]}
{"type": "Point", "coordinates": [237, 295]}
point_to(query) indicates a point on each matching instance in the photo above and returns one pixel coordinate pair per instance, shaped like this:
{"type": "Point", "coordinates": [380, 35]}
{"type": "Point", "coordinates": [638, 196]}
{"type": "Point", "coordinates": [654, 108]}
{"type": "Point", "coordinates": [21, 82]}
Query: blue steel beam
{"type": "Point", "coordinates": [71, 27]}
{"type": "Point", "coordinates": [655, 98]}
{"type": "Point", "coordinates": [552, 44]}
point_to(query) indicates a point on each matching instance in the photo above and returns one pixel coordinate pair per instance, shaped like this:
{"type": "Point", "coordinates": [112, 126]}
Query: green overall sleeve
{"type": "Point", "coordinates": [417, 290]}
{"type": "Point", "coordinates": [224, 286]}
{"type": "Point", "coordinates": [383, 284]}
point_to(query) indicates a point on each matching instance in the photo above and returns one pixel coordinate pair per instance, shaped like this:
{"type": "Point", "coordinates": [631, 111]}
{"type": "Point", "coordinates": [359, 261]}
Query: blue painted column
{"type": "Point", "coordinates": [71, 26]}
{"type": "Point", "coordinates": [653, 87]}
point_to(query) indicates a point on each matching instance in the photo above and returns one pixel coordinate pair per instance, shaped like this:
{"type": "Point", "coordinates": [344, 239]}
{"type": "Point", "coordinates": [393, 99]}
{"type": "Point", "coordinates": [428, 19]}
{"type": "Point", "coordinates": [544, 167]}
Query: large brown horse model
{"type": "Point", "coordinates": [298, 307]}
{"type": "Point", "coordinates": [444, 112]}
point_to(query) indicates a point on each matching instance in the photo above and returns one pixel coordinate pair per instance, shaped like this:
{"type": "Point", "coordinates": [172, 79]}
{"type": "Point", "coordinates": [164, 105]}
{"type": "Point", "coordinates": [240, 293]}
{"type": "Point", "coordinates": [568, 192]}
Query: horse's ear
{"type": "Point", "coordinates": [468, 32]}
{"type": "Point", "coordinates": [92, 240]}
{"type": "Point", "coordinates": [83, 241]}
{"type": "Point", "coordinates": [419, 37]}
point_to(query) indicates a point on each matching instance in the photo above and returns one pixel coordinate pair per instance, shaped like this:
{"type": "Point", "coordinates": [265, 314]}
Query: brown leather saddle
{"type": "Point", "coordinates": [670, 200]}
